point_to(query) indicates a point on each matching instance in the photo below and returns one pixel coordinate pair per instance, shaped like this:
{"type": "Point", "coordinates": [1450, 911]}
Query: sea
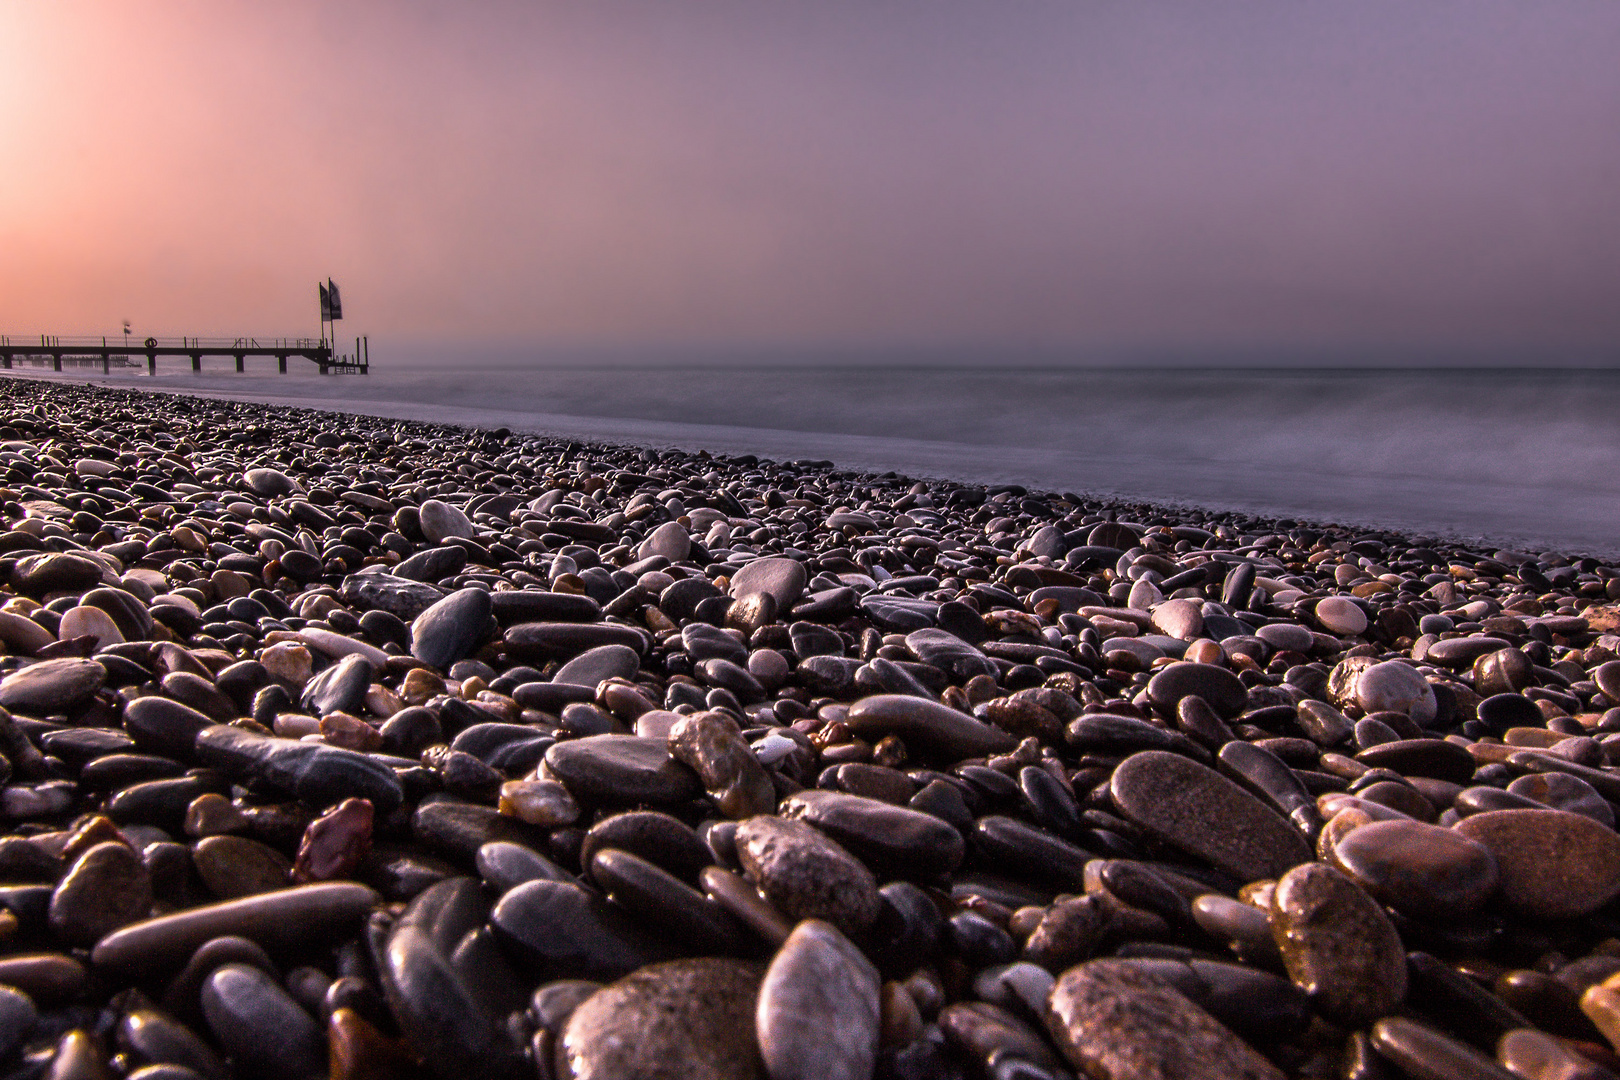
{"type": "Point", "coordinates": [1527, 459]}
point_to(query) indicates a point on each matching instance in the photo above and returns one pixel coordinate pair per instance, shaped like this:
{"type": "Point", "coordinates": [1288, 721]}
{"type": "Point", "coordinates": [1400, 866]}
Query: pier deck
{"type": "Point", "coordinates": [80, 350]}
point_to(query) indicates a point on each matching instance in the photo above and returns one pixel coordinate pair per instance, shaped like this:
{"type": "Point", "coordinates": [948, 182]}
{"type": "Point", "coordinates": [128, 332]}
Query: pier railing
{"type": "Point", "coordinates": [107, 351]}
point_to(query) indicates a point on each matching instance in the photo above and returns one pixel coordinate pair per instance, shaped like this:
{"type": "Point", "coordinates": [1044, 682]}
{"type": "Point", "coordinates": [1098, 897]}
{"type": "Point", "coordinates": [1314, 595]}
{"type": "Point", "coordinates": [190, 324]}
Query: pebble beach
{"type": "Point", "coordinates": [356, 747]}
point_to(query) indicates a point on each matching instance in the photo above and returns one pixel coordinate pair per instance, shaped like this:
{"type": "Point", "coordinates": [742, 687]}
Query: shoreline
{"type": "Point", "coordinates": [952, 462]}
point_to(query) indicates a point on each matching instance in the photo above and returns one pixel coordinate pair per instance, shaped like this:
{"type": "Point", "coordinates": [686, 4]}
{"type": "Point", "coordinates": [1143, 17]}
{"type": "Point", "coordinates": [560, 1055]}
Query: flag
{"type": "Point", "coordinates": [326, 302]}
{"type": "Point", "coordinates": [337, 301]}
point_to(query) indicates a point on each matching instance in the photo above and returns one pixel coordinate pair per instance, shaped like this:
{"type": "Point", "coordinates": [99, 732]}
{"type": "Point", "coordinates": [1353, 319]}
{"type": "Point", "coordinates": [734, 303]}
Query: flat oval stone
{"type": "Point", "coordinates": [1183, 618]}
{"type": "Point", "coordinates": [452, 628]}
{"type": "Point", "coordinates": [51, 686]}
{"type": "Point", "coordinates": [622, 769]}
{"type": "Point", "coordinates": [1341, 615]}
{"type": "Point", "coordinates": [893, 840]}
{"type": "Point", "coordinates": [82, 621]}
{"type": "Point", "coordinates": [684, 1018]}
{"type": "Point", "coordinates": [554, 640]}
{"type": "Point", "coordinates": [260, 1026]}
{"type": "Point", "coordinates": [1419, 1050]}
{"type": "Point", "coordinates": [165, 726]}
{"type": "Point", "coordinates": [235, 866]}
{"type": "Point", "coordinates": [1421, 870]}
{"type": "Point", "coordinates": [1202, 813]}
{"type": "Point", "coordinates": [1561, 791]}
{"type": "Point", "coordinates": [1338, 945]}
{"type": "Point", "coordinates": [1433, 758]}
{"type": "Point", "coordinates": [1553, 864]}
{"type": "Point", "coordinates": [945, 651]}
{"type": "Point", "coordinates": [665, 903]}
{"type": "Point", "coordinates": [55, 571]}
{"type": "Point", "coordinates": [806, 875]}
{"type": "Point", "coordinates": [270, 482]}
{"type": "Point", "coordinates": [441, 521]}
{"type": "Point", "coordinates": [1463, 651]}
{"type": "Point", "coordinates": [542, 605]}
{"type": "Point", "coordinates": [593, 666]}
{"type": "Point", "coordinates": [318, 774]}
{"type": "Point", "coordinates": [818, 1015]}
{"type": "Point", "coordinates": [561, 930]}
{"type": "Point", "coordinates": [341, 687]}
{"type": "Point", "coordinates": [273, 920]}
{"type": "Point", "coordinates": [1394, 686]}
{"type": "Point", "coordinates": [1114, 1021]}
{"type": "Point", "coordinates": [1217, 686]}
{"type": "Point", "coordinates": [781, 579]}
{"type": "Point", "coordinates": [108, 887]}
{"type": "Point", "coordinates": [439, 1015]}
{"type": "Point", "coordinates": [926, 726]}
{"type": "Point", "coordinates": [671, 540]}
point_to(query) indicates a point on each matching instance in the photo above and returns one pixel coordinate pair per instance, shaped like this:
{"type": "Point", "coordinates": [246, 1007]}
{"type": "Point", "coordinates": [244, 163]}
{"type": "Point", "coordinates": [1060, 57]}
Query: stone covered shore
{"type": "Point", "coordinates": [350, 747]}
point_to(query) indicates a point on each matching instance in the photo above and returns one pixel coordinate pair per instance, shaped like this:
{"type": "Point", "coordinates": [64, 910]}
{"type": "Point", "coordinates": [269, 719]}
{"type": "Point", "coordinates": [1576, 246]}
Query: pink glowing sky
{"type": "Point", "coordinates": [1063, 174]}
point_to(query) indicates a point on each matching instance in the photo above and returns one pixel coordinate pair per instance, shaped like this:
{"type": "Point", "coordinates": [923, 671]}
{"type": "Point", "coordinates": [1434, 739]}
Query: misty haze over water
{"type": "Point", "coordinates": [1528, 458]}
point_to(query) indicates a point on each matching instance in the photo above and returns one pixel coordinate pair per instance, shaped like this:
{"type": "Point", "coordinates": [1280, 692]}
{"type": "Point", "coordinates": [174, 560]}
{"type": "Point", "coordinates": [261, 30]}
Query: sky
{"type": "Point", "coordinates": [1078, 177]}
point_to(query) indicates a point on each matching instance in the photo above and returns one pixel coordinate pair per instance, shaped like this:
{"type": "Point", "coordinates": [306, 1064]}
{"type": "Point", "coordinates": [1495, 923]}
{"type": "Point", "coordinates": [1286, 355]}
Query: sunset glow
{"type": "Point", "coordinates": [1064, 175]}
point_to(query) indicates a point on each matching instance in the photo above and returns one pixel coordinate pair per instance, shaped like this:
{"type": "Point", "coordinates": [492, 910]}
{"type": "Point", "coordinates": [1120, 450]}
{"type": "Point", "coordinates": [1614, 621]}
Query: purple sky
{"type": "Point", "coordinates": [1077, 176]}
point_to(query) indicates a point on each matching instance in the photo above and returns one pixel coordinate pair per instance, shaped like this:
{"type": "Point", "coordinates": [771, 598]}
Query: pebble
{"type": "Point", "coordinates": [1200, 812]}
{"type": "Point", "coordinates": [1338, 945]}
{"type": "Point", "coordinates": [1115, 1022]}
{"type": "Point", "coordinates": [997, 737]}
{"type": "Point", "coordinates": [818, 1015]}
{"type": "Point", "coordinates": [692, 1018]}
{"type": "Point", "coordinates": [1421, 870]}
{"type": "Point", "coordinates": [806, 875]}
{"type": "Point", "coordinates": [926, 726]}
{"type": "Point", "coordinates": [1553, 864]}
{"type": "Point", "coordinates": [1340, 615]}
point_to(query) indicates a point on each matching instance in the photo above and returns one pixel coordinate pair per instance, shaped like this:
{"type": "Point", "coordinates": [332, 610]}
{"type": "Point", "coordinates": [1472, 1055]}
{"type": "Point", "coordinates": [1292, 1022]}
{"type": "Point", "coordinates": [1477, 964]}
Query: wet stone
{"type": "Point", "coordinates": [1202, 813]}
{"type": "Point", "coordinates": [235, 866]}
{"type": "Point", "coordinates": [1115, 1022]}
{"type": "Point", "coordinates": [687, 1018]}
{"type": "Point", "coordinates": [806, 875]}
{"type": "Point", "coordinates": [340, 688]}
{"type": "Point", "coordinates": [108, 887]}
{"type": "Point", "coordinates": [1215, 685]}
{"type": "Point", "coordinates": [782, 579]}
{"type": "Point", "coordinates": [926, 726]}
{"type": "Point", "coordinates": [892, 840]}
{"type": "Point", "coordinates": [558, 929]}
{"type": "Point", "coordinates": [1553, 864]}
{"type": "Point", "coordinates": [51, 686]}
{"type": "Point", "coordinates": [622, 769]}
{"type": "Point", "coordinates": [713, 746]}
{"type": "Point", "coordinates": [1421, 870]}
{"type": "Point", "coordinates": [263, 1030]}
{"type": "Point", "coordinates": [594, 666]}
{"type": "Point", "coordinates": [452, 628]}
{"type": "Point", "coordinates": [1338, 945]}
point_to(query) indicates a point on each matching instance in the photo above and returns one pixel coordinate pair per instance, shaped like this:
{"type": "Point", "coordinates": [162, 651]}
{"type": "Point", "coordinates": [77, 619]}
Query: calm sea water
{"type": "Point", "coordinates": [1516, 457]}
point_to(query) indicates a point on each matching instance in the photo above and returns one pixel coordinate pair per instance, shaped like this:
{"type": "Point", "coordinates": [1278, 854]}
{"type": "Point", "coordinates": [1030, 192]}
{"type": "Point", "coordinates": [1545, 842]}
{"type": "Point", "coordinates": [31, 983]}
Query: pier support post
{"type": "Point", "coordinates": [239, 363]}
{"type": "Point", "coordinates": [151, 362]}
{"type": "Point", "coordinates": [196, 361]}
{"type": "Point", "coordinates": [106, 364]}
{"type": "Point", "coordinates": [281, 362]}
{"type": "Point", "coordinates": [6, 360]}
{"type": "Point", "coordinates": [56, 361]}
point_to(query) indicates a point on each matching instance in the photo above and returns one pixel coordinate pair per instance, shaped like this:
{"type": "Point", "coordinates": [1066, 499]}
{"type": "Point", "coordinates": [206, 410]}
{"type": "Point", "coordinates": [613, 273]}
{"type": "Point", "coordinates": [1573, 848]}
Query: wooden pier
{"type": "Point", "coordinates": [85, 350]}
